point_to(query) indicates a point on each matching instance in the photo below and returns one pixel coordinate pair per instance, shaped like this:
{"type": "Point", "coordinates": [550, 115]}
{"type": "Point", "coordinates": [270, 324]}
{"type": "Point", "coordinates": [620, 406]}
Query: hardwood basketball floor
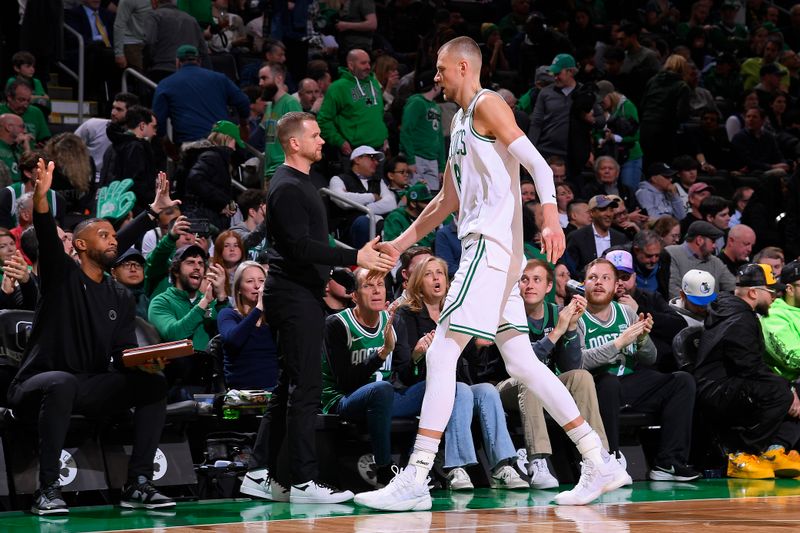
{"type": "Point", "coordinates": [723, 505]}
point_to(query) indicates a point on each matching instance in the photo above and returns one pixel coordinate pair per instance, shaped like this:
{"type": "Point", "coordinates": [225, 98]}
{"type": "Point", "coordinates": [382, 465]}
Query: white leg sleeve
{"type": "Point", "coordinates": [440, 380]}
{"type": "Point", "coordinates": [523, 365]}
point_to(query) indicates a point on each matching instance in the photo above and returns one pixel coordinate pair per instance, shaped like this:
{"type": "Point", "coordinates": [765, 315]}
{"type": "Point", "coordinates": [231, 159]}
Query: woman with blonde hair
{"type": "Point", "coordinates": [228, 253]}
{"type": "Point", "coordinates": [74, 173]}
{"type": "Point", "coordinates": [250, 357]}
{"type": "Point", "coordinates": [664, 107]}
{"type": "Point", "coordinates": [426, 290]}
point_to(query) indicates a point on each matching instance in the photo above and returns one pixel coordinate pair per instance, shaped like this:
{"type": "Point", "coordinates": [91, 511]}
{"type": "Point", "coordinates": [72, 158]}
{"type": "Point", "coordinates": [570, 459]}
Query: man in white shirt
{"type": "Point", "coordinates": [362, 184]}
{"type": "Point", "coordinates": [93, 131]}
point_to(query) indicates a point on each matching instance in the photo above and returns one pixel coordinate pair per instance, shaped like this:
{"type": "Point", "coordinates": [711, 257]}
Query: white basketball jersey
{"type": "Point", "coordinates": [486, 177]}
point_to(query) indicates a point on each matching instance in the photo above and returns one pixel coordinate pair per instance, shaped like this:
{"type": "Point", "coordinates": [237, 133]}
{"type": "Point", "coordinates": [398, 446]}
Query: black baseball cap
{"type": "Point", "coordinates": [344, 277]}
{"type": "Point", "coordinates": [190, 250]}
{"type": "Point", "coordinates": [704, 229]}
{"type": "Point", "coordinates": [790, 272]}
{"type": "Point", "coordinates": [660, 169]}
{"type": "Point", "coordinates": [771, 68]}
{"type": "Point", "coordinates": [131, 254]}
{"type": "Point", "coordinates": [756, 275]}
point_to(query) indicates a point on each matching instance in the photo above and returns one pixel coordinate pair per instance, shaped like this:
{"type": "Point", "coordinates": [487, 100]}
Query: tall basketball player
{"type": "Point", "coordinates": [482, 183]}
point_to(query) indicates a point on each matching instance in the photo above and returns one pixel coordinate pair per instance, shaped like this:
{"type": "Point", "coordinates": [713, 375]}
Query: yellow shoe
{"type": "Point", "coordinates": [746, 466]}
{"type": "Point", "coordinates": [782, 464]}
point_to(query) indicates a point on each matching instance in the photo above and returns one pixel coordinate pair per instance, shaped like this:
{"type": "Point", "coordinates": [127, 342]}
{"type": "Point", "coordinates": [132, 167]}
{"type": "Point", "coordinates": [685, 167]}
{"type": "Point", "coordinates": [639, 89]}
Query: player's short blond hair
{"type": "Point", "coordinates": [463, 47]}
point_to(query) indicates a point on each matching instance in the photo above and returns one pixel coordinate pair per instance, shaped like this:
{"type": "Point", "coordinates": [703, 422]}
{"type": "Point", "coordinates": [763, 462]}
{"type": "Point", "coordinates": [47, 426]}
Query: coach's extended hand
{"type": "Point", "coordinates": [374, 259]}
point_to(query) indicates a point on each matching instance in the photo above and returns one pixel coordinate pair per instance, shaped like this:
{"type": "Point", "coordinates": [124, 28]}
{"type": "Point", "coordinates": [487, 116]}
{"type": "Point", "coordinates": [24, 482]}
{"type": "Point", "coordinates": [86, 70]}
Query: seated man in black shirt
{"type": "Point", "coordinates": [72, 363]}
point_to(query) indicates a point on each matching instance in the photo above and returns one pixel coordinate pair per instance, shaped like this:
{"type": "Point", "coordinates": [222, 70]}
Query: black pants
{"type": "Point", "coordinates": [750, 415]}
{"type": "Point", "coordinates": [297, 320]}
{"type": "Point", "coordinates": [54, 396]}
{"type": "Point", "coordinates": [648, 391]}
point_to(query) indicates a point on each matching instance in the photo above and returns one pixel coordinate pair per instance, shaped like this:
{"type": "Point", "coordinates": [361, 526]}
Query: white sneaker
{"type": "Point", "coordinates": [403, 493]}
{"type": "Point", "coordinates": [540, 475]}
{"type": "Point", "coordinates": [459, 479]}
{"type": "Point", "coordinates": [318, 492]}
{"type": "Point", "coordinates": [507, 478]}
{"type": "Point", "coordinates": [259, 484]}
{"type": "Point", "coordinates": [619, 467]}
{"type": "Point", "coordinates": [591, 484]}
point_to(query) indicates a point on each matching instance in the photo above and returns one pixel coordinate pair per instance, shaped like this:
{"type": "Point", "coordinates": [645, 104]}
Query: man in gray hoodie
{"type": "Point", "coordinates": [658, 195]}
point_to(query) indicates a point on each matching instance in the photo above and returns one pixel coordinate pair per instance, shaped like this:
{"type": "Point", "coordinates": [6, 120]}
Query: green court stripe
{"type": "Point", "coordinates": [473, 332]}
{"type": "Point", "coordinates": [467, 282]}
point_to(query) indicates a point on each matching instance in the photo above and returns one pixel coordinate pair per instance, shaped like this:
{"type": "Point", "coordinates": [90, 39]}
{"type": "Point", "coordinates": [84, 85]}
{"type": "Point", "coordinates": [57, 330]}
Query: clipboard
{"type": "Point", "coordinates": [149, 354]}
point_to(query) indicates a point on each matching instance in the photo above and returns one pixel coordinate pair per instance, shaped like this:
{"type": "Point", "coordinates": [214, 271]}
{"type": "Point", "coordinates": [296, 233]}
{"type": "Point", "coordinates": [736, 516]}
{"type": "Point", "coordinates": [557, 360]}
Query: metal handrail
{"type": "Point", "coordinates": [79, 77]}
{"type": "Point", "coordinates": [373, 218]}
{"type": "Point", "coordinates": [138, 75]}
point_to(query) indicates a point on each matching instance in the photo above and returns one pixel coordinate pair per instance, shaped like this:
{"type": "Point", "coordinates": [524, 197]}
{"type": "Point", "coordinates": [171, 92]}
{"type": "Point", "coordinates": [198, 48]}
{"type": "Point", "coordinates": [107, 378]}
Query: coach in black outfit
{"type": "Point", "coordinates": [84, 320]}
{"type": "Point", "coordinates": [300, 261]}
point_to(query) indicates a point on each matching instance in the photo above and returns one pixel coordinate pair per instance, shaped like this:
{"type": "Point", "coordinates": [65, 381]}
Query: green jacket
{"type": "Point", "coordinates": [352, 111]}
{"type": "Point", "coordinates": [397, 222]}
{"type": "Point", "coordinates": [156, 266]}
{"type": "Point", "coordinates": [273, 152]}
{"type": "Point", "coordinates": [781, 330]}
{"type": "Point", "coordinates": [175, 316]}
{"type": "Point", "coordinates": [9, 156]}
{"type": "Point", "coordinates": [421, 130]}
{"type": "Point", "coordinates": [626, 109]}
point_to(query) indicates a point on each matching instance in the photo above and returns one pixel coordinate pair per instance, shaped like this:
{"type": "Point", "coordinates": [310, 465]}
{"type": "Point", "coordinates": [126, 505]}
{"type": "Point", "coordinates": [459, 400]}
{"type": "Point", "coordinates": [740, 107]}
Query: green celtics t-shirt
{"type": "Point", "coordinates": [9, 155]}
{"type": "Point", "coordinates": [34, 120]}
{"type": "Point", "coordinates": [361, 346]}
{"type": "Point", "coordinates": [599, 333]}
{"type": "Point", "coordinates": [273, 153]}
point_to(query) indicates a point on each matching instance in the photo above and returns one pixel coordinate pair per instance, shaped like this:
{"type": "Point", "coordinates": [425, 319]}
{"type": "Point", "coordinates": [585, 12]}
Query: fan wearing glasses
{"type": "Point", "coordinates": [397, 177]}
{"type": "Point", "coordinates": [755, 412]}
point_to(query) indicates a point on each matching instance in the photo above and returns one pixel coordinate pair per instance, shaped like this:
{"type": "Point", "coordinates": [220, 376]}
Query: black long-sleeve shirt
{"type": "Point", "coordinates": [80, 325]}
{"type": "Point", "coordinates": [298, 230]}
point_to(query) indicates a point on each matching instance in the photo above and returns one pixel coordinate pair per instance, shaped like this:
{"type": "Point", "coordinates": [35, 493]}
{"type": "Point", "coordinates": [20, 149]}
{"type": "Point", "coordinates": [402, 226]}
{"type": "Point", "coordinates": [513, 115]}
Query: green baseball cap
{"type": "Point", "coordinates": [419, 192]}
{"type": "Point", "coordinates": [187, 51]}
{"type": "Point", "coordinates": [562, 61]}
{"type": "Point", "coordinates": [226, 127]}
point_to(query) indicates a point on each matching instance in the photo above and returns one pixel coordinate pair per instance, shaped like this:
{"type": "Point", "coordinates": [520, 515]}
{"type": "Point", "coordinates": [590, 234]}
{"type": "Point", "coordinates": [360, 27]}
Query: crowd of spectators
{"type": "Point", "coordinates": [673, 133]}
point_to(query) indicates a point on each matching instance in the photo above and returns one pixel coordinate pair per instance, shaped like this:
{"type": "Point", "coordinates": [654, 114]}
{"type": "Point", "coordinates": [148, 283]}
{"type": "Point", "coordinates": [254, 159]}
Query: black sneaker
{"type": "Point", "coordinates": [674, 473]}
{"type": "Point", "coordinates": [47, 500]}
{"type": "Point", "coordinates": [384, 474]}
{"type": "Point", "coordinates": [143, 495]}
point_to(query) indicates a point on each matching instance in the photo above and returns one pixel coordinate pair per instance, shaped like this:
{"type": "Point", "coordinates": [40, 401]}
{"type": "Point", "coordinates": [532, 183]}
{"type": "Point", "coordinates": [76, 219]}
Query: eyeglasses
{"type": "Point", "coordinates": [131, 265]}
{"type": "Point", "coordinates": [771, 291]}
{"type": "Point", "coordinates": [624, 276]}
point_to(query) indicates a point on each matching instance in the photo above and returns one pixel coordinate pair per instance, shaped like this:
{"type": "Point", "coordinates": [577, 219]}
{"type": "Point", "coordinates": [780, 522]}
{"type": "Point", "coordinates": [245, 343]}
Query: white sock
{"type": "Point", "coordinates": [422, 457]}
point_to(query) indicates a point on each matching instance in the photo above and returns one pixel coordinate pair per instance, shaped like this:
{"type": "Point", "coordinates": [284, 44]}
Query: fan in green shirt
{"type": "Point", "coordinates": [271, 80]}
{"type": "Point", "coordinates": [18, 101]}
{"type": "Point", "coordinates": [400, 219]}
{"type": "Point", "coordinates": [421, 132]}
